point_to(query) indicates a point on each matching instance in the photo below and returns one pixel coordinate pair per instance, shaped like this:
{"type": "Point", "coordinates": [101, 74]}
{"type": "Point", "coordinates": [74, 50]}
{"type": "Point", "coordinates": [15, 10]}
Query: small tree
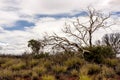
{"type": "Point", "coordinates": [35, 45]}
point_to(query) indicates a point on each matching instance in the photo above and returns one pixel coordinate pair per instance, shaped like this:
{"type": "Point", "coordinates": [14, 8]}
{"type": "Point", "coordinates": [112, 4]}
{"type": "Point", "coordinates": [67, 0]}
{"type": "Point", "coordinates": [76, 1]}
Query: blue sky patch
{"type": "Point", "coordinates": [64, 15]}
{"type": "Point", "coordinates": [116, 13]}
{"type": "Point", "coordinates": [20, 25]}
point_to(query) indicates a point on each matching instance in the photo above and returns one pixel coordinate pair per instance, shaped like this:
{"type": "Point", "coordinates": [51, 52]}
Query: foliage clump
{"type": "Point", "coordinates": [98, 54]}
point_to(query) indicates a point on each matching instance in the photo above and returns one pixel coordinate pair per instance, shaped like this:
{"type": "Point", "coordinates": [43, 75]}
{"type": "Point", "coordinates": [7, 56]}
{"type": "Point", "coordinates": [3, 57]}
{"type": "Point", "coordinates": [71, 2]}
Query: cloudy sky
{"type": "Point", "coordinates": [22, 20]}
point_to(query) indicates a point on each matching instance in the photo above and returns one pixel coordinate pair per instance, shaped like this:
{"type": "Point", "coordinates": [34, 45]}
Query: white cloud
{"type": "Point", "coordinates": [16, 41]}
{"type": "Point", "coordinates": [54, 6]}
{"type": "Point", "coordinates": [13, 10]}
{"type": "Point", "coordinates": [65, 6]}
{"type": "Point", "coordinates": [8, 18]}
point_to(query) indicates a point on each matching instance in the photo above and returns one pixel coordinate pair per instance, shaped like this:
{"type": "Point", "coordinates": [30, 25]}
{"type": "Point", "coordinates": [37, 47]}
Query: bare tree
{"type": "Point", "coordinates": [63, 43]}
{"type": "Point", "coordinates": [83, 32]}
{"type": "Point", "coordinates": [112, 40]}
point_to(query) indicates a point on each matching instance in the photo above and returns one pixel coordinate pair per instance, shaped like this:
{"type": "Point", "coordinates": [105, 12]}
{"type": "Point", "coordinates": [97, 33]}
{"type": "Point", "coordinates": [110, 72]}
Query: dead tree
{"type": "Point", "coordinates": [83, 32]}
{"type": "Point", "coordinates": [63, 44]}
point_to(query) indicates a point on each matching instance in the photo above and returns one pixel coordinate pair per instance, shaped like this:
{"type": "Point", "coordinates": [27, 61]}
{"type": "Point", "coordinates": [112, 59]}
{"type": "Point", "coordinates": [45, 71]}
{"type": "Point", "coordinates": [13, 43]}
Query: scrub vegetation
{"type": "Point", "coordinates": [68, 59]}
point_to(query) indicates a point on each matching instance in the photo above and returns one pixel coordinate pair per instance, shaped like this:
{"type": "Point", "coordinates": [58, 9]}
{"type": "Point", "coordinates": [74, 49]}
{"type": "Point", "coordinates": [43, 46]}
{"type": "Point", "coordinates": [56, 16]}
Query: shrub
{"type": "Point", "coordinates": [47, 63]}
{"type": "Point", "coordinates": [8, 63]}
{"type": "Point", "coordinates": [97, 54]}
{"type": "Point", "coordinates": [90, 69]}
{"type": "Point", "coordinates": [18, 66]}
{"type": "Point", "coordinates": [33, 62]}
{"type": "Point", "coordinates": [84, 77]}
{"type": "Point", "coordinates": [74, 72]}
{"type": "Point", "coordinates": [24, 73]}
{"type": "Point", "coordinates": [2, 60]}
{"type": "Point", "coordinates": [59, 69]}
{"type": "Point", "coordinates": [98, 77]}
{"type": "Point", "coordinates": [6, 73]}
{"type": "Point", "coordinates": [108, 72]}
{"type": "Point", "coordinates": [39, 70]}
{"type": "Point", "coordinates": [35, 76]}
{"type": "Point", "coordinates": [48, 77]}
{"type": "Point", "coordinates": [111, 62]}
{"type": "Point", "coordinates": [84, 70]}
{"type": "Point", "coordinates": [117, 69]}
{"type": "Point", "coordinates": [93, 69]}
{"type": "Point", "coordinates": [59, 58]}
{"type": "Point", "coordinates": [74, 62]}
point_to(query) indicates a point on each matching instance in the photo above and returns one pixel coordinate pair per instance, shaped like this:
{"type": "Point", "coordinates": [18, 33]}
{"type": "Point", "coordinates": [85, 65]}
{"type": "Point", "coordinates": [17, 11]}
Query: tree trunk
{"type": "Point", "coordinates": [90, 39]}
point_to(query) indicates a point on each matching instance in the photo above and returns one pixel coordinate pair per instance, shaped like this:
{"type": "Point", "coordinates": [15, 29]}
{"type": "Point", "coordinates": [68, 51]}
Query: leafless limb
{"type": "Point", "coordinates": [84, 33]}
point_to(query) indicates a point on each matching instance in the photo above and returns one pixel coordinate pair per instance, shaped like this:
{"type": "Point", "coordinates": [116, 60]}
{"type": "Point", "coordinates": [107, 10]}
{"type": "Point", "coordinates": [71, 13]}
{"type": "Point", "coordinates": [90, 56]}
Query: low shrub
{"type": "Point", "coordinates": [74, 62]}
{"type": "Point", "coordinates": [97, 54]}
{"type": "Point", "coordinates": [59, 69]}
{"type": "Point", "coordinates": [18, 66]}
{"type": "Point", "coordinates": [117, 69]}
{"type": "Point", "coordinates": [84, 70]}
{"type": "Point", "coordinates": [47, 63]}
{"type": "Point", "coordinates": [108, 72]}
{"type": "Point", "coordinates": [8, 63]}
{"type": "Point", "coordinates": [111, 62]}
{"type": "Point", "coordinates": [48, 77]}
{"type": "Point", "coordinates": [74, 72]}
{"type": "Point", "coordinates": [7, 74]}
{"type": "Point", "coordinates": [2, 60]}
{"type": "Point", "coordinates": [24, 73]}
{"type": "Point", "coordinates": [84, 77]}
{"type": "Point", "coordinates": [93, 69]}
{"type": "Point", "coordinates": [90, 69]}
{"type": "Point", "coordinates": [33, 62]}
{"type": "Point", "coordinates": [35, 76]}
{"type": "Point", "coordinates": [39, 70]}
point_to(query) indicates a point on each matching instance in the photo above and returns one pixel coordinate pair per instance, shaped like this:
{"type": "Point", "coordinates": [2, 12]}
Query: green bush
{"type": "Point", "coordinates": [48, 77]}
{"type": "Point", "coordinates": [97, 54]}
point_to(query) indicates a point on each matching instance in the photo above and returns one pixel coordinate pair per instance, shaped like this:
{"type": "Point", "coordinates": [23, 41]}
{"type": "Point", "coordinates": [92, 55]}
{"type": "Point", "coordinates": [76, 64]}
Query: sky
{"type": "Point", "coordinates": [22, 20]}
